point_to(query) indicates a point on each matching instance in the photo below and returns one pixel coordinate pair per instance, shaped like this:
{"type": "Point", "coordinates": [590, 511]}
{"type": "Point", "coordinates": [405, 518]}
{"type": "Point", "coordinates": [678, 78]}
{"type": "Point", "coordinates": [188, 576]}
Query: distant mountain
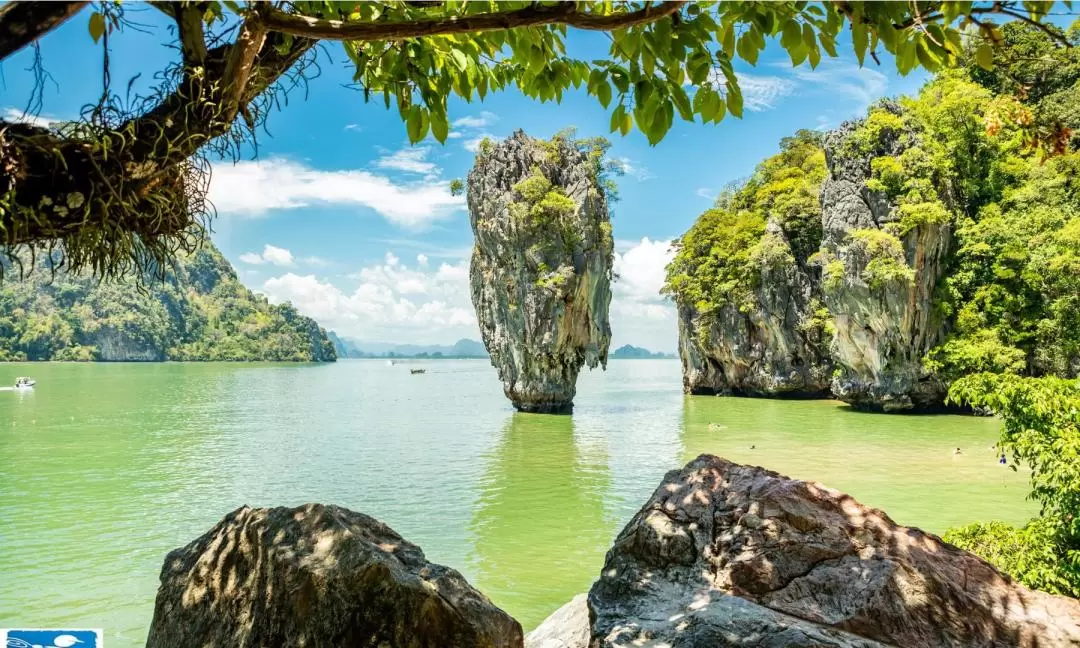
{"type": "Point", "coordinates": [628, 352]}
{"type": "Point", "coordinates": [200, 311]}
{"type": "Point", "coordinates": [350, 348]}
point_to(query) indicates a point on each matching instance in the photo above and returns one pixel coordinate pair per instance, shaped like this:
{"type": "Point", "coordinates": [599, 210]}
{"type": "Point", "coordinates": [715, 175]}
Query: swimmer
{"type": "Point", "coordinates": [1003, 460]}
{"type": "Point", "coordinates": [956, 452]}
{"type": "Point", "coordinates": [752, 447]}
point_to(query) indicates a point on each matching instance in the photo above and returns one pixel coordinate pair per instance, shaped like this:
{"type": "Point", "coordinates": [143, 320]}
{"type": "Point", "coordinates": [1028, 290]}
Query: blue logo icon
{"type": "Point", "coordinates": [52, 638]}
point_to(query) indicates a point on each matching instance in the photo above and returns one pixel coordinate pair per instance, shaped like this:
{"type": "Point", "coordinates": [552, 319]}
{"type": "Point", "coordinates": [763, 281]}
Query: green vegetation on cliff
{"type": "Point", "coordinates": [719, 260]}
{"type": "Point", "coordinates": [200, 311]}
{"type": "Point", "coordinates": [988, 156]}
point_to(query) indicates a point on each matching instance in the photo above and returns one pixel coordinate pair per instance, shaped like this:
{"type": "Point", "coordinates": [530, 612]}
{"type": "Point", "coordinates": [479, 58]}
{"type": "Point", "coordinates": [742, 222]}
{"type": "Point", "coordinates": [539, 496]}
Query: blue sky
{"type": "Point", "coordinates": [339, 215]}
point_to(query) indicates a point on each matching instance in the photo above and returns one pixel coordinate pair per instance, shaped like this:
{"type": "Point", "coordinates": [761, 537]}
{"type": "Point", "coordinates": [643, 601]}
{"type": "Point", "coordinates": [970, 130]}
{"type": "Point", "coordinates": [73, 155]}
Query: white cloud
{"type": "Point", "coordinates": [639, 314]}
{"type": "Point", "coordinates": [485, 118]}
{"type": "Point", "coordinates": [315, 261]}
{"type": "Point", "coordinates": [453, 134]}
{"type": "Point", "coordinates": [255, 188]}
{"type": "Point", "coordinates": [862, 86]}
{"type": "Point", "coordinates": [17, 115]}
{"type": "Point", "coordinates": [270, 254]}
{"type": "Point", "coordinates": [706, 192]}
{"type": "Point", "coordinates": [634, 169]}
{"type": "Point", "coordinates": [354, 127]}
{"type": "Point", "coordinates": [386, 302]}
{"type": "Point", "coordinates": [763, 92]}
{"type": "Point", "coordinates": [412, 160]}
{"type": "Point", "coordinates": [424, 303]}
{"type": "Point", "coordinates": [472, 145]}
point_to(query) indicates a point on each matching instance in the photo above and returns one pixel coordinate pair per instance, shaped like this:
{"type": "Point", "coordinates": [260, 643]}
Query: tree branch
{"type": "Point", "coordinates": [22, 23]}
{"type": "Point", "coordinates": [189, 23]}
{"type": "Point", "coordinates": [564, 13]}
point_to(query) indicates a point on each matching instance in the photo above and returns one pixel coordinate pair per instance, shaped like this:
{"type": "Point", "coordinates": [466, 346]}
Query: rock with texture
{"type": "Point", "coordinates": [541, 267]}
{"type": "Point", "coordinates": [882, 331]}
{"type": "Point", "coordinates": [567, 627]}
{"type": "Point", "coordinates": [768, 350]}
{"type": "Point", "coordinates": [726, 555]}
{"type": "Point", "coordinates": [318, 576]}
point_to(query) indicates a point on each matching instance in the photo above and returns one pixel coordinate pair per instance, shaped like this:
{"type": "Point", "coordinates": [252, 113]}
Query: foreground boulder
{"type": "Point", "coordinates": [730, 555]}
{"type": "Point", "coordinates": [317, 576]}
{"type": "Point", "coordinates": [541, 266]}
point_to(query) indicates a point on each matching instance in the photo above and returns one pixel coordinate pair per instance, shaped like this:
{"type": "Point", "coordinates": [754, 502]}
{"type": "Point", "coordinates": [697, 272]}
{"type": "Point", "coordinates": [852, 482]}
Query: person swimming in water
{"type": "Point", "coordinates": [1003, 460]}
{"type": "Point", "coordinates": [956, 452]}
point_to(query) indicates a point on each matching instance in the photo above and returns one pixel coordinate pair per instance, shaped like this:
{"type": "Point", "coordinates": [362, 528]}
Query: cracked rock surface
{"type": "Point", "coordinates": [731, 555]}
{"type": "Point", "coordinates": [540, 275]}
{"type": "Point", "coordinates": [318, 576]}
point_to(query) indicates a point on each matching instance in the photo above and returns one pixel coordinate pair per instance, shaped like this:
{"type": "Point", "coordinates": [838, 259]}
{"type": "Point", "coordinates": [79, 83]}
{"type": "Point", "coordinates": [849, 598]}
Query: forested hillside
{"type": "Point", "coordinates": [200, 311]}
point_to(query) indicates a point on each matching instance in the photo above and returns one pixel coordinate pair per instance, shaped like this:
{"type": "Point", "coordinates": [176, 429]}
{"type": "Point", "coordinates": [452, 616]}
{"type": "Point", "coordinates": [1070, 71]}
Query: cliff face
{"type": "Point", "coordinates": [769, 349]}
{"type": "Point", "coordinates": [541, 266]}
{"type": "Point", "coordinates": [884, 321]}
{"type": "Point", "coordinates": [838, 299]}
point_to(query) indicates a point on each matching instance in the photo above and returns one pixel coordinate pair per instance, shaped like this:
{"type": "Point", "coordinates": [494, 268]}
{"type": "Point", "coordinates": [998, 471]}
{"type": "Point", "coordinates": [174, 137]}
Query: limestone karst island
{"type": "Point", "coordinates": [539, 324]}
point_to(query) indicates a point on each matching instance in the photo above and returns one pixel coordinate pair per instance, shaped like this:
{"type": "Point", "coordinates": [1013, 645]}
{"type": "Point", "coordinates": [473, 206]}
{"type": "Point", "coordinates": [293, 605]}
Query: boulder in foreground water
{"type": "Point", "coordinates": [317, 576]}
{"type": "Point", "coordinates": [730, 555]}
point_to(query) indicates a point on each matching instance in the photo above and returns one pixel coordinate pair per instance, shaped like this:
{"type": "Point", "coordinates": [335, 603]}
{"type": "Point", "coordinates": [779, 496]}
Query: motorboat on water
{"type": "Point", "coordinates": [22, 382]}
{"type": "Point", "coordinates": [417, 371]}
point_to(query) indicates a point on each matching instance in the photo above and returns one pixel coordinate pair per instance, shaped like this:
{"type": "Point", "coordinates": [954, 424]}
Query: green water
{"type": "Point", "coordinates": [105, 468]}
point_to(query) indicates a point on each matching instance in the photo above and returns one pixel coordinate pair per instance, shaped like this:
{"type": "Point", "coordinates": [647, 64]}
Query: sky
{"type": "Point", "coordinates": [338, 214]}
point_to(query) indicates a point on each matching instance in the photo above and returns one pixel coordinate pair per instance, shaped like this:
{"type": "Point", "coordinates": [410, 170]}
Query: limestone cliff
{"type": "Point", "coordinates": [835, 298]}
{"type": "Point", "coordinates": [541, 266]}
{"type": "Point", "coordinates": [749, 300]}
{"type": "Point", "coordinates": [880, 281]}
{"type": "Point", "coordinates": [770, 349]}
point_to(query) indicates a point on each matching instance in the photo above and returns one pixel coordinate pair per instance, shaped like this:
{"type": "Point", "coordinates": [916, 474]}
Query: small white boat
{"type": "Point", "coordinates": [22, 382]}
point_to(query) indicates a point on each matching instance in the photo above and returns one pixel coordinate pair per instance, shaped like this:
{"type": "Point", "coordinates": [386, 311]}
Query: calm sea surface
{"type": "Point", "coordinates": [104, 468]}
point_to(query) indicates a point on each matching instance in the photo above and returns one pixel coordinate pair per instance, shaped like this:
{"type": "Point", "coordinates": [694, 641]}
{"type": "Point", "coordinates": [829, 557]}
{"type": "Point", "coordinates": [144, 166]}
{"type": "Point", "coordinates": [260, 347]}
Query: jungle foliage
{"type": "Point", "coordinates": [200, 311]}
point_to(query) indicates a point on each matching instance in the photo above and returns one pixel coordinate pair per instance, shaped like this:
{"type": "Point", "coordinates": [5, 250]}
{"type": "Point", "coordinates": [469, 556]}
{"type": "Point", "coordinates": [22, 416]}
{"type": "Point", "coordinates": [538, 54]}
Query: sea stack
{"type": "Point", "coordinates": [541, 265]}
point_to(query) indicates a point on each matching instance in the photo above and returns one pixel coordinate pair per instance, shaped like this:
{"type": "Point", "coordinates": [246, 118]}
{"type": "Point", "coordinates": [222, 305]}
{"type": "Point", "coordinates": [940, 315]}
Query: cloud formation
{"type": "Point", "coordinates": [17, 115]}
{"type": "Point", "coordinates": [411, 160]}
{"type": "Point", "coordinates": [256, 188]}
{"type": "Point", "coordinates": [639, 314]}
{"type": "Point", "coordinates": [270, 254]}
{"type": "Point", "coordinates": [485, 118]}
{"type": "Point", "coordinates": [764, 92]}
{"type": "Point", "coordinates": [427, 303]}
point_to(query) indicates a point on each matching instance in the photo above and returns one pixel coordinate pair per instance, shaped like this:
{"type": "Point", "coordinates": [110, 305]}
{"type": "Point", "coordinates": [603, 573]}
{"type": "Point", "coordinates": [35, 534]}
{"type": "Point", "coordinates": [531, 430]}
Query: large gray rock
{"type": "Point", "coordinates": [882, 333]}
{"type": "Point", "coordinates": [771, 349]}
{"type": "Point", "coordinates": [727, 555]}
{"type": "Point", "coordinates": [317, 576]}
{"type": "Point", "coordinates": [541, 267]}
{"type": "Point", "coordinates": [567, 627]}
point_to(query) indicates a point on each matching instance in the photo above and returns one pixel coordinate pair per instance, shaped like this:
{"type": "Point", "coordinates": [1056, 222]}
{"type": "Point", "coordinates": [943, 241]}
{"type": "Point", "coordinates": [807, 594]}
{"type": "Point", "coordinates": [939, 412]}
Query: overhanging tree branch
{"type": "Point", "coordinates": [565, 13]}
{"type": "Point", "coordinates": [22, 23]}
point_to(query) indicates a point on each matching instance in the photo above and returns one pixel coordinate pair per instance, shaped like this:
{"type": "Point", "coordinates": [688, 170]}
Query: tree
{"type": "Point", "coordinates": [124, 185]}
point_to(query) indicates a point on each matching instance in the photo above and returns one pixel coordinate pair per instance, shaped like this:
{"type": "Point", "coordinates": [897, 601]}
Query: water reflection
{"type": "Point", "coordinates": [541, 528]}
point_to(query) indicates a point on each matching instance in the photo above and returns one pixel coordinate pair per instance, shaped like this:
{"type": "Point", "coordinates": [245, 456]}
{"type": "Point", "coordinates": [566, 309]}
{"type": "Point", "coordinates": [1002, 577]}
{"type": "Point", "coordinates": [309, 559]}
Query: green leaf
{"type": "Point", "coordinates": [727, 39]}
{"type": "Point", "coordinates": [859, 41]}
{"type": "Point", "coordinates": [616, 118]}
{"type": "Point", "coordinates": [735, 102]}
{"type": "Point", "coordinates": [97, 26]}
{"type": "Point", "coordinates": [459, 59]}
{"type": "Point", "coordinates": [681, 101]}
{"type": "Point", "coordinates": [697, 68]}
{"type": "Point", "coordinates": [603, 93]}
{"type": "Point", "coordinates": [627, 123]}
{"type": "Point", "coordinates": [439, 126]}
{"type": "Point", "coordinates": [984, 56]}
{"type": "Point", "coordinates": [414, 124]}
{"type": "Point", "coordinates": [791, 35]}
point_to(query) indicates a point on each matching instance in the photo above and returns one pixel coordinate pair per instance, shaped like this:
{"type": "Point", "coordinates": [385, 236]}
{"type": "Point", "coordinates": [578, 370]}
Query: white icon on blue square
{"type": "Point", "coordinates": [52, 638]}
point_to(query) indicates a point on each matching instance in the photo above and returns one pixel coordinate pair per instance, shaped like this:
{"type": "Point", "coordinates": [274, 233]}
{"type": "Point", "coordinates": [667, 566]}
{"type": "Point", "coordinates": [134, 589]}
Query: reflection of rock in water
{"type": "Point", "coordinates": [540, 529]}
